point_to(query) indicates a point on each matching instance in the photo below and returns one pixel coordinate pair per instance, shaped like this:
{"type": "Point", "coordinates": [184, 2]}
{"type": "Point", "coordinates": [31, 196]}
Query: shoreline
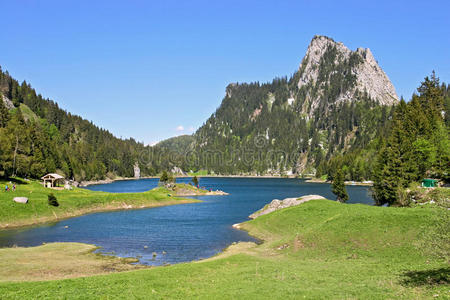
{"type": "Point", "coordinates": [107, 181]}
{"type": "Point", "coordinates": [355, 183]}
{"type": "Point", "coordinates": [100, 202]}
{"type": "Point", "coordinates": [306, 179]}
{"type": "Point", "coordinates": [113, 206]}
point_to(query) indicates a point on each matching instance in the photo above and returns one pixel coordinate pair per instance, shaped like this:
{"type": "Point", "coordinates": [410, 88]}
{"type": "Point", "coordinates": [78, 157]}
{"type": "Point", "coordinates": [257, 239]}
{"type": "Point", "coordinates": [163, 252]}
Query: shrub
{"type": "Point", "coordinates": [164, 177]}
{"type": "Point", "coordinates": [195, 180]}
{"type": "Point", "coordinates": [52, 200]}
{"type": "Point", "coordinates": [338, 187]}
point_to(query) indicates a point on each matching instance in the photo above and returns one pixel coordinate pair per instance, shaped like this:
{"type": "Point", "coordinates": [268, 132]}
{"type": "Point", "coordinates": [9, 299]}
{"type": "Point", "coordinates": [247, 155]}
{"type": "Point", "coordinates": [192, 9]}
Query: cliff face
{"type": "Point", "coordinates": [328, 63]}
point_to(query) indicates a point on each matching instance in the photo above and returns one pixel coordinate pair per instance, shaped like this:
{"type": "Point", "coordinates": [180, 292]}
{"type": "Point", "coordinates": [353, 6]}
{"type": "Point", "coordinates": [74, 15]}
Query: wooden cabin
{"type": "Point", "coordinates": [52, 179]}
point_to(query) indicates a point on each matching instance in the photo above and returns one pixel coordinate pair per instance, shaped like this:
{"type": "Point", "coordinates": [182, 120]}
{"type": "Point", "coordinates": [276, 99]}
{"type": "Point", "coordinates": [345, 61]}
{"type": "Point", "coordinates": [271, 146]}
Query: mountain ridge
{"type": "Point", "coordinates": [337, 100]}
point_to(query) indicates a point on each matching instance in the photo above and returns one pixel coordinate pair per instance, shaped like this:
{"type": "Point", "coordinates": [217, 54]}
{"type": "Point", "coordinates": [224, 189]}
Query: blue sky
{"type": "Point", "coordinates": [156, 69]}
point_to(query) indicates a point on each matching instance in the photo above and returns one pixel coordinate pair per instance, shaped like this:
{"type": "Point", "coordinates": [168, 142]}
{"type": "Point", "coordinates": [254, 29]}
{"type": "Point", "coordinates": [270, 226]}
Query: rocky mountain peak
{"type": "Point", "coordinates": [328, 63]}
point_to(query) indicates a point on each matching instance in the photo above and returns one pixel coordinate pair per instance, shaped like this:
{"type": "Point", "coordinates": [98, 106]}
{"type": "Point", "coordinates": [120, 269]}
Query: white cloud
{"type": "Point", "coordinates": [180, 128]}
{"type": "Point", "coordinates": [191, 129]}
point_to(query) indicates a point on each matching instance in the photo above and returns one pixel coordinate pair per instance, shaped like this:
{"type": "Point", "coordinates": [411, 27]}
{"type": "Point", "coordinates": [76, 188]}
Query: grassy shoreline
{"type": "Point", "coordinates": [73, 203]}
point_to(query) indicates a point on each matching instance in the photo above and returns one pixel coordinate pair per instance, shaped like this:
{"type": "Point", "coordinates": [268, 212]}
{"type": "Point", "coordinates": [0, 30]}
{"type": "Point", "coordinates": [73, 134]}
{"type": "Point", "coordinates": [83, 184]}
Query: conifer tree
{"type": "Point", "coordinates": [195, 180]}
{"type": "Point", "coordinates": [338, 187]}
{"type": "Point", "coordinates": [164, 177]}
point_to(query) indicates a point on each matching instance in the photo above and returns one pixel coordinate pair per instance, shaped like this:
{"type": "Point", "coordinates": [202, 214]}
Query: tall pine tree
{"type": "Point", "coordinates": [338, 187]}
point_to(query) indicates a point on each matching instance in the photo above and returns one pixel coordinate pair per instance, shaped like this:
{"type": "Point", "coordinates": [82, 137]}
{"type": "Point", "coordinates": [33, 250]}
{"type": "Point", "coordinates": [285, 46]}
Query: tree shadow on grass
{"type": "Point", "coordinates": [13, 180]}
{"type": "Point", "coordinates": [426, 278]}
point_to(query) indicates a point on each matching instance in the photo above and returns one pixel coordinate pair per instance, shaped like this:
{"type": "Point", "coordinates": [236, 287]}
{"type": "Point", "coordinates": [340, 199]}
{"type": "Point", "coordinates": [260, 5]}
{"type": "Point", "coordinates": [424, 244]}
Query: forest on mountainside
{"type": "Point", "coordinates": [258, 129]}
{"type": "Point", "coordinates": [257, 120]}
{"type": "Point", "coordinates": [38, 137]}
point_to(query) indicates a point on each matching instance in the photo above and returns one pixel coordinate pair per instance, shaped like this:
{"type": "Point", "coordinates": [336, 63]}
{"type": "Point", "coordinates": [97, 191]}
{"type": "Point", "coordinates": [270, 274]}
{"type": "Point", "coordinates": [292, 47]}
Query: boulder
{"type": "Point", "coordinates": [23, 200]}
{"type": "Point", "coordinates": [280, 204]}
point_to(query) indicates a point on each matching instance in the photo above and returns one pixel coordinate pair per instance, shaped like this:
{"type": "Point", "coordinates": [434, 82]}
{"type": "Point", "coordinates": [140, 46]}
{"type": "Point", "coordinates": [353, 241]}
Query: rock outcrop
{"type": "Point", "coordinates": [8, 103]}
{"type": "Point", "coordinates": [326, 60]}
{"type": "Point", "coordinates": [177, 171]}
{"type": "Point", "coordinates": [137, 171]}
{"type": "Point", "coordinates": [279, 204]}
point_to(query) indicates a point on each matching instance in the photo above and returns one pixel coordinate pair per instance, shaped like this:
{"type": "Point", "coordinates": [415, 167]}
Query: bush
{"type": "Point", "coordinates": [52, 200]}
{"type": "Point", "coordinates": [164, 177]}
{"type": "Point", "coordinates": [195, 180]}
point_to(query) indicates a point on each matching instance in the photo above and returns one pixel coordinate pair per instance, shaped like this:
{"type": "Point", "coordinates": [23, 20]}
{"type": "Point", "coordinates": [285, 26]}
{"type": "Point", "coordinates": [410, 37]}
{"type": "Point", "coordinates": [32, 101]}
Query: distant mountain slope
{"type": "Point", "coordinates": [337, 100]}
{"type": "Point", "coordinates": [179, 144]}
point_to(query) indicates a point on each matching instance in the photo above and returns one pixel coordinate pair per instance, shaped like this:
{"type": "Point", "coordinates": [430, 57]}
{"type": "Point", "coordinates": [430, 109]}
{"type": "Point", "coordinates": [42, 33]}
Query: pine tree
{"type": "Point", "coordinates": [195, 180]}
{"type": "Point", "coordinates": [164, 177]}
{"type": "Point", "coordinates": [338, 187]}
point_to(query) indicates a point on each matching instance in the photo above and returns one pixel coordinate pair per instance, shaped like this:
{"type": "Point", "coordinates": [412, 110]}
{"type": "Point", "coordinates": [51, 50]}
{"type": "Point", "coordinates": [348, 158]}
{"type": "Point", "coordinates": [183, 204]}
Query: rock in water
{"type": "Point", "coordinates": [23, 200]}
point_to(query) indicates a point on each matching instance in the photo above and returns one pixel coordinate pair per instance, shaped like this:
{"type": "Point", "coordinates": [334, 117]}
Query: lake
{"type": "Point", "coordinates": [177, 233]}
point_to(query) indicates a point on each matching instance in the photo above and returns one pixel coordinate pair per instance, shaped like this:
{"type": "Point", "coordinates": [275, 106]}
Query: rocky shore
{"type": "Point", "coordinates": [280, 204]}
{"type": "Point", "coordinates": [276, 204]}
{"type": "Point", "coordinates": [361, 183]}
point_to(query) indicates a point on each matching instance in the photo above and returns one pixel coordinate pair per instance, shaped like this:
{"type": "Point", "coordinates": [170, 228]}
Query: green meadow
{"type": "Point", "coordinates": [318, 250]}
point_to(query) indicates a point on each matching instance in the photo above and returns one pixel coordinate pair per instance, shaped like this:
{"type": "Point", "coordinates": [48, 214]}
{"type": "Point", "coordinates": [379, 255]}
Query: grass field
{"type": "Point", "coordinates": [71, 203]}
{"type": "Point", "coordinates": [318, 250]}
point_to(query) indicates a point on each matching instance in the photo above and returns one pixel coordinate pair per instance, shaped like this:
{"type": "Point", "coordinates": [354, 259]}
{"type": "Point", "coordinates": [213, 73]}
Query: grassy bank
{"type": "Point", "coordinates": [72, 203]}
{"type": "Point", "coordinates": [318, 250]}
{"type": "Point", "coordinates": [58, 260]}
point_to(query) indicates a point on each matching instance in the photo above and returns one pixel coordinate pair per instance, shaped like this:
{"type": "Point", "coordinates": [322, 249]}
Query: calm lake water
{"type": "Point", "coordinates": [177, 233]}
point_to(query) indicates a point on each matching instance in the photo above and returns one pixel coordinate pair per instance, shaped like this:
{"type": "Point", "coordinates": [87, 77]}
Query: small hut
{"type": "Point", "coordinates": [52, 179]}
